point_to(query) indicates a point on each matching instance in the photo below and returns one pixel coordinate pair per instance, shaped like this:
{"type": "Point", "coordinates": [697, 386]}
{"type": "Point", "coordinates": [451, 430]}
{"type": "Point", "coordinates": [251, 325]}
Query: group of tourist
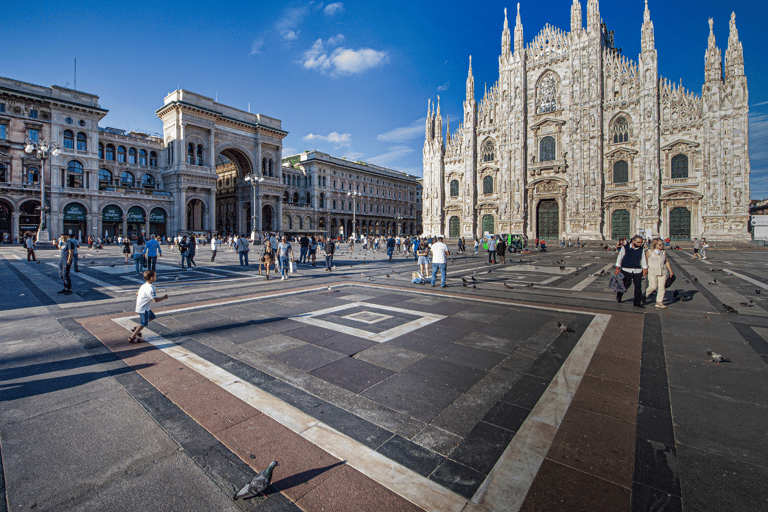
{"type": "Point", "coordinates": [634, 262]}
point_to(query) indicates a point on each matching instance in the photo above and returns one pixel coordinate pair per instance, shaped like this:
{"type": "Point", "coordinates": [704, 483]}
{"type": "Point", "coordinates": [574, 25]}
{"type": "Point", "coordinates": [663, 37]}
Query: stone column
{"type": "Point", "coordinates": [182, 209]}
{"type": "Point", "coordinates": [257, 170]}
{"type": "Point", "coordinates": [257, 207]}
{"type": "Point", "coordinates": [125, 224]}
{"type": "Point", "coordinates": [15, 229]}
{"type": "Point", "coordinates": [146, 225]}
{"type": "Point", "coordinates": [279, 219]}
{"type": "Point", "coordinates": [212, 154]}
{"type": "Point", "coordinates": [212, 211]}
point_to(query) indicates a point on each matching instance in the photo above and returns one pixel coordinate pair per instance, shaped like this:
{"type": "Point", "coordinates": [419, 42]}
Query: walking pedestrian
{"type": "Point", "coordinates": [215, 242]}
{"type": "Point", "coordinates": [65, 263]}
{"type": "Point", "coordinates": [696, 248]}
{"type": "Point", "coordinates": [501, 250]}
{"type": "Point", "coordinates": [330, 249]}
{"type": "Point", "coordinates": [658, 271]}
{"type": "Point", "coordinates": [423, 254]}
{"type": "Point", "coordinates": [76, 259]}
{"type": "Point", "coordinates": [242, 250]}
{"type": "Point", "coordinates": [313, 250]}
{"type": "Point", "coordinates": [704, 247]}
{"type": "Point", "coordinates": [145, 296]}
{"type": "Point", "coordinates": [439, 252]}
{"type": "Point", "coordinates": [153, 250]}
{"type": "Point", "coordinates": [139, 249]}
{"type": "Point", "coordinates": [285, 254]}
{"type": "Point", "coordinates": [183, 248]}
{"type": "Point", "coordinates": [191, 252]}
{"type": "Point", "coordinates": [390, 247]}
{"type": "Point", "coordinates": [126, 244]}
{"type": "Point", "coordinates": [267, 258]}
{"type": "Point", "coordinates": [303, 248]}
{"type": "Point", "coordinates": [29, 243]}
{"type": "Point", "coordinates": [492, 250]}
{"type": "Point", "coordinates": [631, 261]}
{"type": "Point", "coordinates": [477, 245]}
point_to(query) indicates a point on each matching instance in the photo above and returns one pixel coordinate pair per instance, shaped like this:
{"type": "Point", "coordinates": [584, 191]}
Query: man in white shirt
{"type": "Point", "coordinates": [439, 252]}
{"type": "Point", "coordinates": [631, 261]}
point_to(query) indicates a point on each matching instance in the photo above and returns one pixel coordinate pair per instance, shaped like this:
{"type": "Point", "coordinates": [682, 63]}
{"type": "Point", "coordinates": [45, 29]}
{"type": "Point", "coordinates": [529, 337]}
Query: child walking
{"type": "Point", "coordinates": [144, 298]}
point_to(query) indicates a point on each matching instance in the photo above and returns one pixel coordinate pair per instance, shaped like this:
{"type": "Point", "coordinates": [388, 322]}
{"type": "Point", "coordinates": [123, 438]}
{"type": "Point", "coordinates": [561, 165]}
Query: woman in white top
{"type": "Point", "coordinates": [658, 266]}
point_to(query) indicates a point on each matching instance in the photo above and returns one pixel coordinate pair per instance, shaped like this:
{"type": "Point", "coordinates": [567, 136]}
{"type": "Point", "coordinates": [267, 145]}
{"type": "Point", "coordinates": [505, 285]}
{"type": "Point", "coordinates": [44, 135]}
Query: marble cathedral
{"type": "Point", "coordinates": [577, 140]}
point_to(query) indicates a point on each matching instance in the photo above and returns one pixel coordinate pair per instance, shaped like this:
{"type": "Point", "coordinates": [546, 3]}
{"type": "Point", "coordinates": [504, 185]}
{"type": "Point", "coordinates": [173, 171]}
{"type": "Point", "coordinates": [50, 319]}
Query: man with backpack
{"type": "Point", "coordinates": [330, 248]}
{"type": "Point", "coordinates": [242, 250]}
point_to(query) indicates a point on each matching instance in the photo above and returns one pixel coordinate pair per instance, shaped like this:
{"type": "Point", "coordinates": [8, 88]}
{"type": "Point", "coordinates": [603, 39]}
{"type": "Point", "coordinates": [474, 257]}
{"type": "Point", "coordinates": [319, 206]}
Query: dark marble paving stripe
{"type": "Point", "coordinates": [225, 468]}
{"type": "Point", "coordinates": [656, 478]}
{"type": "Point", "coordinates": [37, 292]}
{"type": "Point", "coordinates": [3, 499]}
{"type": "Point", "coordinates": [755, 341]}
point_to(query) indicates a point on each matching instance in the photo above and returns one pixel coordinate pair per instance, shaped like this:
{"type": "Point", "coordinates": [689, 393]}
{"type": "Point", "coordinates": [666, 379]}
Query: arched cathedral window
{"type": "Point", "coordinates": [454, 188]}
{"type": "Point", "coordinates": [679, 166]}
{"type": "Point", "coordinates": [548, 94]}
{"type": "Point", "coordinates": [487, 150]}
{"type": "Point", "coordinates": [620, 130]}
{"type": "Point", "coordinates": [547, 149]}
{"type": "Point", "coordinates": [488, 185]}
{"type": "Point", "coordinates": [621, 172]}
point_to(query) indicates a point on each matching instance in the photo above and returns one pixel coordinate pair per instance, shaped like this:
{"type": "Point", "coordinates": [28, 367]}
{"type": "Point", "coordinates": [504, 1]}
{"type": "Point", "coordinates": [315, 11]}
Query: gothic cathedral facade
{"type": "Point", "coordinates": [576, 140]}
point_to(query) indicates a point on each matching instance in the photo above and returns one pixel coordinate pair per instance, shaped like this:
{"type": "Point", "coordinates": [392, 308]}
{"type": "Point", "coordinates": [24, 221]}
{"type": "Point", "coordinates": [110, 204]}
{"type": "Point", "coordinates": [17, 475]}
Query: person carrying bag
{"type": "Point", "coordinates": [659, 271]}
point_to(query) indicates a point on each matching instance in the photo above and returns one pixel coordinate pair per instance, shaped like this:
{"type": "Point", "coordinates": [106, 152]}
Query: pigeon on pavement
{"type": "Point", "coordinates": [747, 304]}
{"type": "Point", "coordinates": [564, 328]}
{"type": "Point", "coordinates": [507, 286]}
{"type": "Point", "coordinates": [717, 358]}
{"type": "Point", "coordinates": [729, 309]}
{"type": "Point", "coordinates": [258, 485]}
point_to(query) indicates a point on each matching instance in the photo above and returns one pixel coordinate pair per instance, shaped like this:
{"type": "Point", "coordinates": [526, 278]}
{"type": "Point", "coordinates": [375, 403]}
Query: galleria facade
{"type": "Point", "coordinates": [213, 169]}
{"type": "Point", "coordinates": [576, 140]}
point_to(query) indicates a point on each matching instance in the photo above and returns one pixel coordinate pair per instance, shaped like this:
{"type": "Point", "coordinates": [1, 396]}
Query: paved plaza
{"type": "Point", "coordinates": [520, 386]}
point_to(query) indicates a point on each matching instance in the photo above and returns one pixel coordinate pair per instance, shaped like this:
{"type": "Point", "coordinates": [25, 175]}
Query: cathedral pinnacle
{"type": "Point", "coordinates": [734, 55]}
{"type": "Point", "coordinates": [505, 43]}
{"type": "Point", "coordinates": [518, 31]}
{"type": "Point", "coordinates": [470, 82]}
{"type": "Point", "coordinates": [576, 16]}
{"type": "Point", "coordinates": [593, 17]}
{"type": "Point", "coordinates": [647, 39]}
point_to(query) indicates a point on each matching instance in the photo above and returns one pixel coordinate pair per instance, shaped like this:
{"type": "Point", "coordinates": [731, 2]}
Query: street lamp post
{"type": "Point", "coordinates": [353, 195]}
{"type": "Point", "coordinates": [44, 152]}
{"type": "Point", "coordinates": [254, 181]}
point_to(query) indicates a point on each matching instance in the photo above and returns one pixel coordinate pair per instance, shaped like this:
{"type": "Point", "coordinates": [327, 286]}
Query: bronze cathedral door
{"type": "Point", "coordinates": [548, 219]}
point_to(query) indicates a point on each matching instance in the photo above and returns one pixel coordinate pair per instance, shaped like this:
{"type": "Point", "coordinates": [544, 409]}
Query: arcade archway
{"type": "Point", "coordinates": [232, 165]}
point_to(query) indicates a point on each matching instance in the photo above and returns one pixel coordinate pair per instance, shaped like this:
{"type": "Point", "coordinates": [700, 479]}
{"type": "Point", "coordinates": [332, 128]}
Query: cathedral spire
{"type": "Point", "coordinates": [518, 31]}
{"type": "Point", "coordinates": [470, 82]}
{"type": "Point", "coordinates": [576, 16]}
{"type": "Point", "coordinates": [593, 17]}
{"type": "Point", "coordinates": [648, 41]}
{"type": "Point", "coordinates": [734, 55]}
{"type": "Point", "coordinates": [438, 122]}
{"type": "Point", "coordinates": [428, 132]}
{"type": "Point", "coordinates": [713, 67]}
{"type": "Point", "coordinates": [448, 128]}
{"type": "Point", "coordinates": [505, 41]}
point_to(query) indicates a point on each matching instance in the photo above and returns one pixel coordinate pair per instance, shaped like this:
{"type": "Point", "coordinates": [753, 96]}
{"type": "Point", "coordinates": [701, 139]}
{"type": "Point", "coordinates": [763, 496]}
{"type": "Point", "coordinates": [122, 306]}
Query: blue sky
{"type": "Point", "coordinates": [348, 78]}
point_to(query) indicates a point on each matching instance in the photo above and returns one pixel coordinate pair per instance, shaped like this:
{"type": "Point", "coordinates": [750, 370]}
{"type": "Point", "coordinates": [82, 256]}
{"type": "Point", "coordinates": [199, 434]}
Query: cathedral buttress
{"type": "Point", "coordinates": [469, 213]}
{"type": "Point", "coordinates": [649, 169]}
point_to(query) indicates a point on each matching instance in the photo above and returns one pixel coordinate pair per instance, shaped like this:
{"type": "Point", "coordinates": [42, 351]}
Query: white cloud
{"type": "Point", "coordinates": [341, 61]}
{"type": "Point", "coordinates": [404, 133]}
{"type": "Point", "coordinates": [334, 8]}
{"type": "Point", "coordinates": [257, 46]}
{"type": "Point", "coordinates": [291, 35]}
{"type": "Point", "coordinates": [338, 140]}
{"type": "Point", "coordinates": [352, 155]}
{"type": "Point", "coordinates": [394, 153]}
{"type": "Point", "coordinates": [444, 87]}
